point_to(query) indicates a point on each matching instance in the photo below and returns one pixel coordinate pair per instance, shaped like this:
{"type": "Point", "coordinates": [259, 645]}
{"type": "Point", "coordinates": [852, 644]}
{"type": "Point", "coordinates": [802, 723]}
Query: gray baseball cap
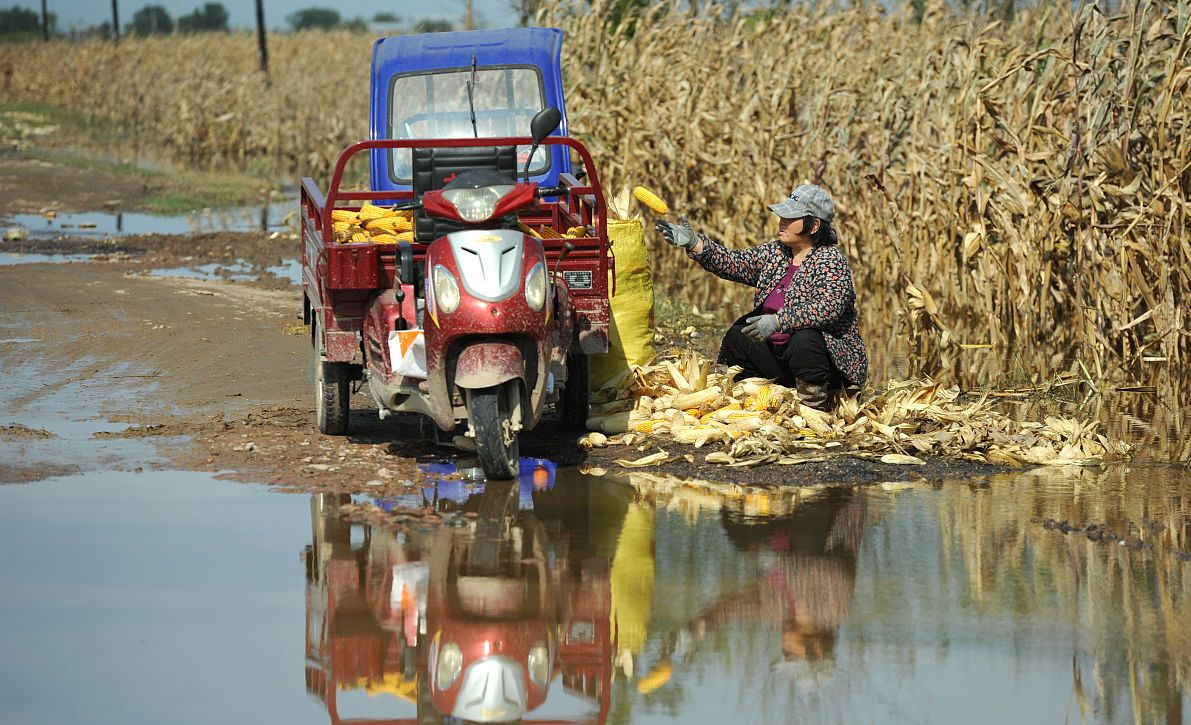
{"type": "Point", "coordinates": [806, 200]}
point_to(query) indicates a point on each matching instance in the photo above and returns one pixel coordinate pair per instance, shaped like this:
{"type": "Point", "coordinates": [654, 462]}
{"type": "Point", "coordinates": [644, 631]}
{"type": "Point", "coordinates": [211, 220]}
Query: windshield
{"type": "Point", "coordinates": [435, 105]}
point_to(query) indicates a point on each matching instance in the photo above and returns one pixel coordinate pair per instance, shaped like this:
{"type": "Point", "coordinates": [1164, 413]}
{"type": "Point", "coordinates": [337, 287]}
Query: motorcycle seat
{"type": "Point", "coordinates": [434, 167]}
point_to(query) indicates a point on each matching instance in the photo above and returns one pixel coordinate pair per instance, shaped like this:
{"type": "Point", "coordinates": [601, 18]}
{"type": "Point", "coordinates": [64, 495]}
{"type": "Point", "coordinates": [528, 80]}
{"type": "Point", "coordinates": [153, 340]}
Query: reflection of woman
{"type": "Point", "coordinates": [803, 331]}
{"type": "Point", "coordinates": [809, 572]}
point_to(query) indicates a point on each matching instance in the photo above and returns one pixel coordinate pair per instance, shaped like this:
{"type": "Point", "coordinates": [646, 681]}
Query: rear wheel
{"type": "Point", "coordinates": [490, 414]}
{"type": "Point", "coordinates": [332, 387]}
{"type": "Point", "coordinates": [572, 404]}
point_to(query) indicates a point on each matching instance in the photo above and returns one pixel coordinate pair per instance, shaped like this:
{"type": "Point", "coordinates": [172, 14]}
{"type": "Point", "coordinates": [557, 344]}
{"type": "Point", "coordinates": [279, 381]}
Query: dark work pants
{"type": "Point", "coordinates": [804, 357]}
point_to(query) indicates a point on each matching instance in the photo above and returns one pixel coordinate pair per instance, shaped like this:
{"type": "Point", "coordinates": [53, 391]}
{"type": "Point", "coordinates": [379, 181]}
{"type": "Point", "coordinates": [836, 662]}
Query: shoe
{"type": "Point", "coordinates": [819, 397]}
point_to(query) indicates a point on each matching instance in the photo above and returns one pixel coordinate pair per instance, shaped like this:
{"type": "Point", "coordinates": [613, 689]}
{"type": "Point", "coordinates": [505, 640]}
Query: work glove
{"type": "Point", "coordinates": [760, 327]}
{"type": "Point", "coordinates": [680, 235]}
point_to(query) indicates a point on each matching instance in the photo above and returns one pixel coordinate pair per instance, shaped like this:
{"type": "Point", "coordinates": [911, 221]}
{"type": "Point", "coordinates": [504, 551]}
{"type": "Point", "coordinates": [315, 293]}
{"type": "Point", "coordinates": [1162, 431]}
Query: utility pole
{"type": "Point", "coordinates": [467, 19]}
{"type": "Point", "coordinates": [260, 36]}
{"type": "Point", "coordinates": [116, 20]}
{"type": "Point", "coordinates": [45, 22]}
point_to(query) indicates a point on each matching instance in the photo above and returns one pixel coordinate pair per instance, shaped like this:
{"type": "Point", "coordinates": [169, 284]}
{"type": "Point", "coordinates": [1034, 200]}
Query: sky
{"type": "Point", "coordinates": [85, 13]}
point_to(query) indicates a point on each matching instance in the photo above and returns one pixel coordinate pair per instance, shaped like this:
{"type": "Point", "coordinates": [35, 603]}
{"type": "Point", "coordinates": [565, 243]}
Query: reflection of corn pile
{"type": "Point", "coordinates": [374, 224]}
{"type": "Point", "coordinates": [687, 400]}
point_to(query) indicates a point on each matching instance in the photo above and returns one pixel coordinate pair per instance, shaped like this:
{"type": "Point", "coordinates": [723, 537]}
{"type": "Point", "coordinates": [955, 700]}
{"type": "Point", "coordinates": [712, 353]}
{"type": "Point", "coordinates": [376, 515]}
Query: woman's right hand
{"type": "Point", "coordinates": [680, 235]}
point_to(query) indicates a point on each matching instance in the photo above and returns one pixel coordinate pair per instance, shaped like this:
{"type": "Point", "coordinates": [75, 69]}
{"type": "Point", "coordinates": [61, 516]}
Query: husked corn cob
{"type": "Point", "coordinates": [609, 424]}
{"type": "Point", "coordinates": [360, 237]}
{"type": "Point", "coordinates": [697, 399]}
{"type": "Point", "coordinates": [716, 414]}
{"type": "Point", "coordinates": [700, 435]}
{"type": "Point", "coordinates": [759, 400]}
{"type": "Point", "coordinates": [344, 215]}
{"type": "Point", "coordinates": [405, 236]}
{"type": "Point", "coordinates": [650, 426]}
{"type": "Point", "coordinates": [651, 200]}
{"type": "Point", "coordinates": [346, 231]}
{"type": "Point", "coordinates": [370, 211]}
{"type": "Point", "coordinates": [385, 238]}
{"type": "Point", "coordinates": [574, 232]}
{"type": "Point", "coordinates": [388, 225]}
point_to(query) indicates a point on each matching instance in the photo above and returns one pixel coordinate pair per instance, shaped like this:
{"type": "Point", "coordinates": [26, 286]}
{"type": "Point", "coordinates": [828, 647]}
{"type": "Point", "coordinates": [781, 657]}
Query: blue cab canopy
{"type": "Point", "coordinates": [419, 90]}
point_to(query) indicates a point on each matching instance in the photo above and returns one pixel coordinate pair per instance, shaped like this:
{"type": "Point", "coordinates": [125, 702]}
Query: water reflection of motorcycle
{"type": "Point", "coordinates": [471, 622]}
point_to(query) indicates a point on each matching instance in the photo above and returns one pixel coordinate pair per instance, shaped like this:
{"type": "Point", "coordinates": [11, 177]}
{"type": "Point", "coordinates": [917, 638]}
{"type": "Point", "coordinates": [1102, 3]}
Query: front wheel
{"type": "Point", "coordinates": [332, 387]}
{"type": "Point", "coordinates": [490, 415]}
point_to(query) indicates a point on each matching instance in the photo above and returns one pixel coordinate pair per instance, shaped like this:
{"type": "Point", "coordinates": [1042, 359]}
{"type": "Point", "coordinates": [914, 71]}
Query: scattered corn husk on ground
{"type": "Point", "coordinates": [686, 399]}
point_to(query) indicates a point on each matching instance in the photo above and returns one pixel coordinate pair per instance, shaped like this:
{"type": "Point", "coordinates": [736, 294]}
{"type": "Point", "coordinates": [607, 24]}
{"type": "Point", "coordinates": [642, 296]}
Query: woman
{"type": "Point", "coordinates": [803, 331]}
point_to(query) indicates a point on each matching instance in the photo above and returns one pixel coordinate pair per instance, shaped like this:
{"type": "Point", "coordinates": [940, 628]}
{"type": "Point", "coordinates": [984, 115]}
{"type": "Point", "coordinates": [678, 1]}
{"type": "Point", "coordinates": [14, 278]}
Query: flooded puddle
{"type": "Point", "coordinates": [10, 258]}
{"type": "Point", "coordinates": [565, 597]}
{"type": "Point", "coordinates": [238, 271]}
{"type": "Point", "coordinates": [63, 430]}
{"type": "Point", "coordinates": [90, 225]}
{"type": "Point", "coordinates": [160, 597]}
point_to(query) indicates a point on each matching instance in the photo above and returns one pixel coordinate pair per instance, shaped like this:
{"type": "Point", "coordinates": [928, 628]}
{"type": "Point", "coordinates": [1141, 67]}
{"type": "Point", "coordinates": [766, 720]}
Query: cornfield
{"type": "Point", "coordinates": [1013, 195]}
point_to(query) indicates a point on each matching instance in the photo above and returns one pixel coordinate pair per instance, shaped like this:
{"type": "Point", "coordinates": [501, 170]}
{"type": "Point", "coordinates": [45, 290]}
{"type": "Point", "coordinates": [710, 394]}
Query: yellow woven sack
{"type": "Point", "coordinates": [630, 333]}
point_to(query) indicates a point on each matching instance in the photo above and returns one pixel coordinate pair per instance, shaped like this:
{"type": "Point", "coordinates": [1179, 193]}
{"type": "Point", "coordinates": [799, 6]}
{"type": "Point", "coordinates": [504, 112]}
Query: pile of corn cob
{"type": "Point", "coordinates": [548, 232]}
{"type": "Point", "coordinates": [374, 224]}
{"type": "Point", "coordinates": [686, 399]}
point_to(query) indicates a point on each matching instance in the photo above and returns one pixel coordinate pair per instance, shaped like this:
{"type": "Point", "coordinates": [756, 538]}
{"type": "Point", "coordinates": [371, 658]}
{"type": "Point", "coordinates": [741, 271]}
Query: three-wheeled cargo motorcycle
{"type": "Point", "coordinates": [470, 282]}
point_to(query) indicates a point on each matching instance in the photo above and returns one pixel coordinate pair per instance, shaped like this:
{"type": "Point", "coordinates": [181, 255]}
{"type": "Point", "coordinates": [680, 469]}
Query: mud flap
{"type": "Point", "coordinates": [488, 364]}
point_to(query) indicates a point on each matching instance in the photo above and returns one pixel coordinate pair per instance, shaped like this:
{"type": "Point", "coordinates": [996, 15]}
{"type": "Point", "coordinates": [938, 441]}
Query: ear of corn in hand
{"type": "Point", "coordinates": [651, 200]}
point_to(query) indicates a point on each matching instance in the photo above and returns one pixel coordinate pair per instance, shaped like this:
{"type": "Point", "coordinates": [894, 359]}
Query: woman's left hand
{"type": "Point", "coordinates": [760, 327]}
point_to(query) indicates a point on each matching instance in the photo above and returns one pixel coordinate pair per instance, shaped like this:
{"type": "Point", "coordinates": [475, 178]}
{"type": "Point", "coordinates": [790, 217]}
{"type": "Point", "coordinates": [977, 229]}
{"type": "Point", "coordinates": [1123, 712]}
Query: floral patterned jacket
{"type": "Point", "coordinates": [821, 294]}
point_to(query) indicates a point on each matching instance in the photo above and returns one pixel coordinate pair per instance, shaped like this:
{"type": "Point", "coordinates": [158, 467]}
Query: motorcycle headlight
{"type": "Point", "coordinates": [477, 205]}
{"type": "Point", "coordinates": [450, 661]}
{"type": "Point", "coordinates": [535, 286]}
{"type": "Point", "coordinates": [446, 289]}
{"type": "Point", "coordinates": [538, 664]}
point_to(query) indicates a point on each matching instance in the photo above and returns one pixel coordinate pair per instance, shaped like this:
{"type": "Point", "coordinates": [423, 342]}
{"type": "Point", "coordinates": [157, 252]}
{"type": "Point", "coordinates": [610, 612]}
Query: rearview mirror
{"type": "Point", "coordinates": [544, 123]}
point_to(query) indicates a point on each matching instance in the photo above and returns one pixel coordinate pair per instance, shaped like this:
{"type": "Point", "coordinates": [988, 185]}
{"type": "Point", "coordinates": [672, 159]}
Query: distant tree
{"type": "Point", "coordinates": [433, 26]}
{"type": "Point", "coordinates": [525, 10]}
{"type": "Point", "coordinates": [314, 19]}
{"type": "Point", "coordinates": [211, 16]}
{"type": "Point", "coordinates": [17, 20]}
{"type": "Point", "coordinates": [358, 25]}
{"type": "Point", "coordinates": [152, 20]}
{"type": "Point", "coordinates": [385, 18]}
